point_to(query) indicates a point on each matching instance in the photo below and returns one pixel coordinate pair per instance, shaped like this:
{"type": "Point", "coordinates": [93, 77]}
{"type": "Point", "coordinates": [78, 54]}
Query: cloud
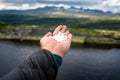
{"type": "Point", "coordinates": [25, 6]}
{"type": "Point", "coordinates": [112, 5]}
{"type": "Point", "coordinates": [32, 4]}
{"type": "Point", "coordinates": [105, 5]}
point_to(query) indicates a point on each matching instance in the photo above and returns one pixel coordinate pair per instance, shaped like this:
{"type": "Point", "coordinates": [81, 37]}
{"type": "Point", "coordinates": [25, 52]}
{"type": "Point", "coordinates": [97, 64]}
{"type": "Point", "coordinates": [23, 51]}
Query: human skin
{"type": "Point", "coordinates": [59, 48]}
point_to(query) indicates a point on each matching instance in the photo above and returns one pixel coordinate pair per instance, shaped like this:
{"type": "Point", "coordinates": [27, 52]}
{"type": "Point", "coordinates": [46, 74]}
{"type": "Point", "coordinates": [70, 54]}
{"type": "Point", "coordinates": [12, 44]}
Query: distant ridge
{"type": "Point", "coordinates": [49, 9]}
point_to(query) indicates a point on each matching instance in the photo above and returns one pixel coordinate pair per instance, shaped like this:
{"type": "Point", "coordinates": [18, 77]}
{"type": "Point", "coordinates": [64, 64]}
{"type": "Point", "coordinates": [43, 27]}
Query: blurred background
{"type": "Point", "coordinates": [95, 25]}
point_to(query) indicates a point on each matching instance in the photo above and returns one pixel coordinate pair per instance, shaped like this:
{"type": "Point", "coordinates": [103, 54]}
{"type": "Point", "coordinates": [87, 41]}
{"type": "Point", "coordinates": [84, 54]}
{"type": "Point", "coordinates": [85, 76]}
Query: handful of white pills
{"type": "Point", "coordinates": [60, 37]}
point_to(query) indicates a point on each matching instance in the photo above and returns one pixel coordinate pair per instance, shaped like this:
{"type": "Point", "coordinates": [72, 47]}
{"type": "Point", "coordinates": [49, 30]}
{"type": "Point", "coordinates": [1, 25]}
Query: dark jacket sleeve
{"type": "Point", "coordinates": [39, 66]}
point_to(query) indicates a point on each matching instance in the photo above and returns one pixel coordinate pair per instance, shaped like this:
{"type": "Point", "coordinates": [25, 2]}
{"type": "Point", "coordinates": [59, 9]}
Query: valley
{"type": "Point", "coordinates": [87, 29]}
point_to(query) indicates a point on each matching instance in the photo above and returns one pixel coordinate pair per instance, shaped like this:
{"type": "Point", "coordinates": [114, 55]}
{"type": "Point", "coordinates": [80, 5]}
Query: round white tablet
{"type": "Point", "coordinates": [60, 37]}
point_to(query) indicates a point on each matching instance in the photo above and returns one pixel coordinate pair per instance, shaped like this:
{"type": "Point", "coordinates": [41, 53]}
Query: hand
{"type": "Point", "coordinates": [59, 48]}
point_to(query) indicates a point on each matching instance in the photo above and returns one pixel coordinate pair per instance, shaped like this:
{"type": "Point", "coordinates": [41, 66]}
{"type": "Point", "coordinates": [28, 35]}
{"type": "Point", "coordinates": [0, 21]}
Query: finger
{"type": "Point", "coordinates": [57, 30]}
{"type": "Point", "coordinates": [48, 34]}
{"type": "Point", "coordinates": [70, 37]}
{"type": "Point", "coordinates": [64, 27]}
{"type": "Point", "coordinates": [67, 33]}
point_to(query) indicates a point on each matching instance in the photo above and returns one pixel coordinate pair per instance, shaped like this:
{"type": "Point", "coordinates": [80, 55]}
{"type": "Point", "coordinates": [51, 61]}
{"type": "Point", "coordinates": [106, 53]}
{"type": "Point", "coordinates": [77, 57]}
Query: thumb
{"type": "Point", "coordinates": [48, 34]}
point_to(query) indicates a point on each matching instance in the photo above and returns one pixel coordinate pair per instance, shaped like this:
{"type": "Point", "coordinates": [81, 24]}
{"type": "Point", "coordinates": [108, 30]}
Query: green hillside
{"type": "Point", "coordinates": [71, 20]}
{"type": "Point", "coordinates": [86, 29]}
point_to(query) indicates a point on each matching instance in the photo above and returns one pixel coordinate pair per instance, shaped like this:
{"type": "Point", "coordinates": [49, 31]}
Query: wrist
{"type": "Point", "coordinates": [55, 51]}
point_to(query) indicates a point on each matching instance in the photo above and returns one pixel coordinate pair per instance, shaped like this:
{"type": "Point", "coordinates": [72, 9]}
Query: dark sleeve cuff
{"type": "Point", "coordinates": [58, 60]}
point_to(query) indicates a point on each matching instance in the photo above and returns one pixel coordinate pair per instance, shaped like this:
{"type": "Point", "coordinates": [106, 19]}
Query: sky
{"type": "Point", "coordinates": [104, 5]}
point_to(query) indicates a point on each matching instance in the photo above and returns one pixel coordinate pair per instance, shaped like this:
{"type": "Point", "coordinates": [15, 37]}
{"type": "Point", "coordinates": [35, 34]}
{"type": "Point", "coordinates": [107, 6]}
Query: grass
{"type": "Point", "coordinates": [30, 38]}
{"type": "Point", "coordinates": [76, 21]}
{"type": "Point", "coordinates": [83, 35]}
{"type": "Point", "coordinates": [85, 28]}
{"type": "Point", "coordinates": [78, 39]}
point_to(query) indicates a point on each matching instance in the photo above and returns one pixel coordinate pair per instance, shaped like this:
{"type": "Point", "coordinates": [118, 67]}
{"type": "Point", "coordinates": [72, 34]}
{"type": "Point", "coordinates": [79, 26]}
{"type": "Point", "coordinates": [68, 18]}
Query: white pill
{"type": "Point", "coordinates": [60, 37]}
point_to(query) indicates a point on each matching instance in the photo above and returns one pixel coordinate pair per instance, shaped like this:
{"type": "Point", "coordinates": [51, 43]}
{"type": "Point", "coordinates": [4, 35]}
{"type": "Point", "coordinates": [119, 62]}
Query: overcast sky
{"type": "Point", "coordinates": [105, 5]}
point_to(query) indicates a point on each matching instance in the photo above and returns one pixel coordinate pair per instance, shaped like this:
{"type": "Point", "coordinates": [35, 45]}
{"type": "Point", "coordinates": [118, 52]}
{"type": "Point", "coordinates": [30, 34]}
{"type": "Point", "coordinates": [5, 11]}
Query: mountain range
{"type": "Point", "coordinates": [51, 9]}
